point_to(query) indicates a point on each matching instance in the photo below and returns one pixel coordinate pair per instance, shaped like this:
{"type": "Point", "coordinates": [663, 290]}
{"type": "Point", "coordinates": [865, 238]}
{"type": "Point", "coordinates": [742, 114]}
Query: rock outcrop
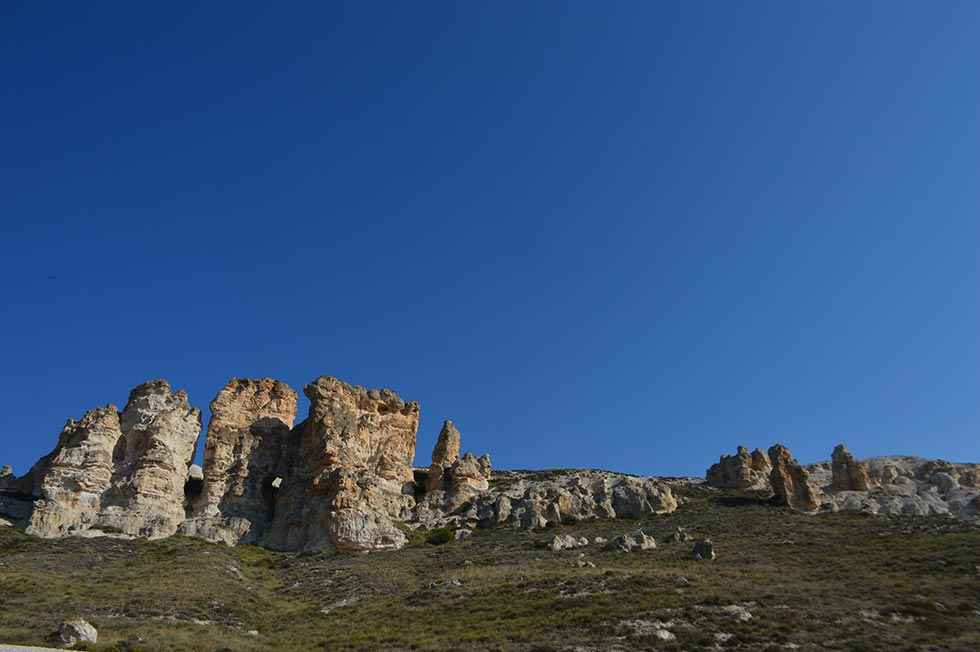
{"type": "Point", "coordinates": [70, 481]}
{"type": "Point", "coordinates": [638, 540]}
{"type": "Point", "coordinates": [530, 500]}
{"type": "Point", "coordinates": [470, 473]}
{"type": "Point", "coordinates": [790, 481]}
{"type": "Point", "coordinates": [741, 471]}
{"type": "Point", "coordinates": [444, 455]}
{"type": "Point", "coordinates": [907, 486]}
{"type": "Point", "coordinates": [119, 471]}
{"type": "Point", "coordinates": [349, 471]}
{"type": "Point", "coordinates": [72, 632]}
{"type": "Point", "coordinates": [244, 456]}
{"type": "Point", "coordinates": [848, 473]}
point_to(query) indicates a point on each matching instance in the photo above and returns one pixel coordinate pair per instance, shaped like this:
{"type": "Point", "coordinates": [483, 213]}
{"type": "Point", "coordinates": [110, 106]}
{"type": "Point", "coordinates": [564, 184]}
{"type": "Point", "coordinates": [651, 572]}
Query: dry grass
{"type": "Point", "coordinates": [836, 581]}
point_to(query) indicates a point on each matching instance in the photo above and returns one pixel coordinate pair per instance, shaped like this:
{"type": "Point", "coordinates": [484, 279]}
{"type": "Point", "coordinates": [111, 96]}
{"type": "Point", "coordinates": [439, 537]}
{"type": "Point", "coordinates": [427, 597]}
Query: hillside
{"type": "Point", "coordinates": [782, 580]}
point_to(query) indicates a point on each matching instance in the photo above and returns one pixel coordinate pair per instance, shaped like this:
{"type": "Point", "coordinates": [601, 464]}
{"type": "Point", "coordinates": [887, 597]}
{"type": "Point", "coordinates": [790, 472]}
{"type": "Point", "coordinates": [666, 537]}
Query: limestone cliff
{"type": "Point", "coordinates": [349, 471]}
{"type": "Point", "coordinates": [244, 460]}
{"type": "Point", "coordinates": [118, 471]}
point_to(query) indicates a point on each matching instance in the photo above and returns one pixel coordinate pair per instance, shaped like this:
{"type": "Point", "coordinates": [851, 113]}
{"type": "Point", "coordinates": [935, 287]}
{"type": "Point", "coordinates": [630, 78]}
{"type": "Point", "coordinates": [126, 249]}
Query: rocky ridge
{"type": "Point", "coordinates": [894, 485]}
{"type": "Point", "coordinates": [341, 479]}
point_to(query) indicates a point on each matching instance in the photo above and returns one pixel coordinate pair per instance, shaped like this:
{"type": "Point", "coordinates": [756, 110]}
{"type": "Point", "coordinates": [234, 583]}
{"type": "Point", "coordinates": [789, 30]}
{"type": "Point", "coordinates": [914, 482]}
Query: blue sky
{"type": "Point", "coordinates": [624, 235]}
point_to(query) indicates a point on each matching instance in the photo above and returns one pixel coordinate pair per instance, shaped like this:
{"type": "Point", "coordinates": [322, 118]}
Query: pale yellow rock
{"type": "Point", "coordinates": [244, 455]}
{"type": "Point", "coordinates": [848, 473]}
{"type": "Point", "coordinates": [69, 482]}
{"type": "Point", "coordinates": [444, 455]}
{"type": "Point", "coordinates": [349, 471]}
{"type": "Point", "coordinates": [790, 481]}
{"type": "Point", "coordinates": [740, 471]}
{"type": "Point", "coordinates": [123, 471]}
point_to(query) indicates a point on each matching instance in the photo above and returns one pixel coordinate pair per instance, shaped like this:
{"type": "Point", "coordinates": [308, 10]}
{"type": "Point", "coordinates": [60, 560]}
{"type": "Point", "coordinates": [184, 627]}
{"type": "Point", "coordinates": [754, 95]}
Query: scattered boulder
{"type": "Point", "coordinates": [638, 540]}
{"type": "Point", "coordinates": [567, 542]}
{"type": "Point", "coordinates": [680, 535]}
{"type": "Point", "coordinates": [740, 471]}
{"type": "Point", "coordinates": [704, 550]}
{"type": "Point", "coordinates": [195, 473]}
{"type": "Point", "coordinates": [736, 612]}
{"type": "Point", "coordinates": [848, 473]}
{"type": "Point", "coordinates": [790, 481]}
{"type": "Point", "coordinates": [72, 632]}
{"type": "Point", "coordinates": [462, 533]}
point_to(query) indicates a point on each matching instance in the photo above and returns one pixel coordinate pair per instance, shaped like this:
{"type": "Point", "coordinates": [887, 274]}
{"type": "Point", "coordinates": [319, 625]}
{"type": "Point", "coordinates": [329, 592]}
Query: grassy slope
{"type": "Point", "coordinates": [810, 578]}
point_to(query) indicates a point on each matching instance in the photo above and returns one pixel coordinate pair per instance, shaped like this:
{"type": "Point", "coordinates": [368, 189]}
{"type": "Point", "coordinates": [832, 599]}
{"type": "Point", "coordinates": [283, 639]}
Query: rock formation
{"type": "Point", "coordinates": [638, 540]}
{"type": "Point", "coordinates": [70, 481]}
{"type": "Point", "coordinates": [117, 471]}
{"type": "Point", "coordinates": [567, 542]}
{"type": "Point", "coordinates": [244, 454]}
{"type": "Point", "coordinates": [343, 478]}
{"type": "Point", "coordinates": [444, 455]}
{"type": "Point", "coordinates": [740, 471]}
{"type": "Point", "coordinates": [849, 474]}
{"type": "Point", "coordinates": [72, 632]}
{"type": "Point", "coordinates": [349, 471]}
{"type": "Point", "coordinates": [470, 473]}
{"type": "Point", "coordinates": [790, 481]}
{"type": "Point", "coordinates": [146, 494]}
{"type": "Point", "coordinates": [529, 500]}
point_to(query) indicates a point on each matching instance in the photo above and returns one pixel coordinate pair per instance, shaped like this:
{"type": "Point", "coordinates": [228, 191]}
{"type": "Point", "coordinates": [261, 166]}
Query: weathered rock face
{"type": "Point", "coordinates": [244, 454]}
{"type": "Point", "coordinates": [470, 473]}
{"type": "Point", "coordinates": [444, 455]}
{"type": "Point", "coordinates": [72, 632]}
{"type": "Point", "coordinates": [740, 471]}
{"type": "Point", "coordinates": [530, 500]}
{"type": "Point", "coordinates": [146, 494]}
{"type": "Point", "coordinates": [790, 481]}
{"type": "Point", "coordinates": [119, 471]}
{"type": "Point", "coordinates": [349, 471]}
{"type": "Point", "coordinates": [908, 486]}
{"type": "Point", "coordinates": [848, 473]}
{"type": "Point", "coordinates": [69, 482]}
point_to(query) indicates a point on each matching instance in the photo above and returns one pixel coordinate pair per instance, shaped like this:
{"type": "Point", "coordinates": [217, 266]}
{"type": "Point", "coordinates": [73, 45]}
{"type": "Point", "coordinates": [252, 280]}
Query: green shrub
{"type": "Point", "coordinates": [440, 536]}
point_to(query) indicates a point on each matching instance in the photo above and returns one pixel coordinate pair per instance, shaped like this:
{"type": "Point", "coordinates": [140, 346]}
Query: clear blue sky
{"type": "Point", "coordinates": [629, 235]}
